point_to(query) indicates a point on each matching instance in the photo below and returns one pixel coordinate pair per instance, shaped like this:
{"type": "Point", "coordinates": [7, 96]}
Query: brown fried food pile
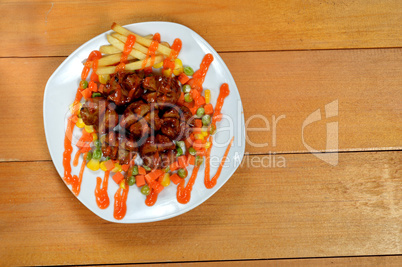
{"type": "Point", "coordinates": [150, 119]}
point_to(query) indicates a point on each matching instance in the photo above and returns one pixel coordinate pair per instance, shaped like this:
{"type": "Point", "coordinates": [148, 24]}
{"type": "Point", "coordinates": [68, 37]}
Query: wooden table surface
{"type": "Point", "coordinates": [288, 58]}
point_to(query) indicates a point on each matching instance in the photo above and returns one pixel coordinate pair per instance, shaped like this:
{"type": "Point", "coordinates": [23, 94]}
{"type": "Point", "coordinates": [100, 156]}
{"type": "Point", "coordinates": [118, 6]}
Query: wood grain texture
{"type": "Point", "coordinates": [226, 25]}
{"type": "Point", "coordinates": [366, 84]}
{"type": "Point", "coordinates": [385, 261]}
{"type": "Point", "coordinates": [308, 209]}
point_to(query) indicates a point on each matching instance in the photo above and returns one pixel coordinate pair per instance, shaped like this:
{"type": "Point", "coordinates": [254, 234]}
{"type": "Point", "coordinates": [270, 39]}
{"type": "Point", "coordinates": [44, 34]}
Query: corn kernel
{"type": "Point", "coordinates": [94, 137]}
{"type": "Point", "coordinates": [199, 136]}
{"type": "Point", "coordinates": [75, 108]}
{"type": "Point", "coordinates": [207, 96]}
{"type": "Point", "coordinates": [158, 65]}
{"type": "Point", "coordinates": [178, 67]}
{"type": "Point", "coordinates": [208, 145]}
{"type": "Point", "coordinates": [80, 123]}
{"type": "Point", "coordinates": [103, 79]}
{"type": "Point", "coordinates": [166, 180]}
{"type": "Point", "coordinates": [102, 166]}
{"type": "Point", "coordinates": [123, 184]}
{"type": "Point", "coordinates": [204, 134]}
{"type": "Point", "coordinates": [117, 168]}
{"type": "Point", "coordinates": [167, 73]}
{"type": "Point", "coordinates": [89, 128]}
{"type": "Point", "coordinates": [93, 164]}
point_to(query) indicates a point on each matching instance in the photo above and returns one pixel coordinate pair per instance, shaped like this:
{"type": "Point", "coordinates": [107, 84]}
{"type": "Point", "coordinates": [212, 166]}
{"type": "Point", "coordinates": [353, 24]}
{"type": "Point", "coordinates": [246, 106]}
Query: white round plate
{"type": "Point", "coordinates": [60, 92]}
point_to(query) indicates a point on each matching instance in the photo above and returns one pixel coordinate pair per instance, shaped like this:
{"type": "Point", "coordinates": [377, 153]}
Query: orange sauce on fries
{"type": "Point", "coordinates": [128, 47]}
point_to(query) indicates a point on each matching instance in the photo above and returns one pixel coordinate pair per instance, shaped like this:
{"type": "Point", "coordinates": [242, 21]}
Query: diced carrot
{"type": "Point", "coordinates": [209, 109]}
{"type": "Point", "coordinates": [193, 109]}
{"type": "Point", "coordinates": [157, 187]}
{"type": "Point", "coordinates": [198, 123]}
{"type": "Point", "coordinates": [153, 175]}
{"type": "Point", "coordinates": [182, 160]}
{"type": "Point", "coordinates": [188, 105]}
{"type": "Point", "coordinates": [74, 118]}
{"type": "Point", "coordinates": [191, 160]}
{"type": "Point", "coordinates": [174, 166]}
{"type": "Point", "coordinates": [109, 165]}
{"type": "Point", "coordinates": [175, 178]}
{"type": "Point", "coordinates": [87, 93]}
{"type": "Point", "coordinates": [85, 149]}
{"type": "Point", "coordinates": [199, 144]}
{"type": "Point", "coordinates": [181, 101]}
{"type": "Point", "coordinates": [199, 101]}
{"type": "Point", "coordinates": [101, 87]}
{"type": "Point", "coordinates": [92, 86]}
{"type": "Point", "coordinates": [195, 94]}
{"type": "Point", "coordinates": [188, 142]}
{"type": "Point", "coordinates": [183, 78]}
{"type": "Point", "coordinates": [124, 167]}
{"type": "Point", "coordinates": [141, 170]}
{"type": "Point", "coordinates": [118, 177]}
{"type": "Point", "coordinates": [140, 180]}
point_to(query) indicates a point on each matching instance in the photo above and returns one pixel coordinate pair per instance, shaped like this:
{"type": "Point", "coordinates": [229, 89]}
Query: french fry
{"type": "Point", "coordinates": [144, 41]}
{"type": "Point", "coordinates": [109, 50]}
{"type": "Point", "coordinates": [120, 45]}
{"type": "Point", "coordinates": [149, 36]}
{"type": "Point", "coordinates": [136, 46]}
{"type": "Point", "coordinates": [137, 65]}
{"type": "Point", "coordinates": [111, 59]}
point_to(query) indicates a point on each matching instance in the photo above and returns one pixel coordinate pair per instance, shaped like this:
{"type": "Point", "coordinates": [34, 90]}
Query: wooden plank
{"type": "Point", "coordinates": [39, 28]}
{"type": "Point", "coordinates": [308, 209]}
{"type": "Point", "coordinates": [344, 261]}
{"type": "Point", "coordinates": [366, 84]}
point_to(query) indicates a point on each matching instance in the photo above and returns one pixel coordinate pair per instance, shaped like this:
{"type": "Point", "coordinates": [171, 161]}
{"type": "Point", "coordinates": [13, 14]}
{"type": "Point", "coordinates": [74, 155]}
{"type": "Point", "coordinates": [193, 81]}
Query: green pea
{"type": "Point", "coordinates": [180, 144]}
{"type": "Point", "coordinates": [96, 95]}
{"type": "Point", "coordinates": [135, 170]}
{"type": "Point", "coordinates": [200, 112]}
{"type": "Point", "coordinates": [199, 160]}
{"type": "Point", "coordinates": [186, 88]}
{"type": "Point", "coordinates": [131, 180]}
{"type": "Point", "coordinates": [206, 120]}
{"type": "Point", "coordinates": [89, 156]}
{"type": "Point", "coordinates": [192, 151]}
{"type": "Point", "coordinates": [188, 98]}
{"type": "Point", "coordinates": [147, 168]}
{"type": "Point", "coordinates": [179, 152]}
{"type": "Point", "coordinates": [212, 131]}
{"type": "Point", "coordinates": [167, 169]}
{"type": "Point", "coordinates": [97, 154]}
{"type": "Point", "coordinates": [182, 173]}
{"type": "Point", "coordinates": [97, 143]}
{"type": "Point", "coordinates": [107, 158]}
{"type": "Point", "coordinates": [145, 190]}
{"type": "Point", "coordinates": [188, 71]}
{"type": "Point", "coordinates": [84, 84]}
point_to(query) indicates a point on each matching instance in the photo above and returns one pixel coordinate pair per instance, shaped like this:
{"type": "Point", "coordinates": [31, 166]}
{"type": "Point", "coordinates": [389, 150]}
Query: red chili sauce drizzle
{"type": "Point", "coordinates": [128, 47]}
{"type": "Point", "coordinates": [199, 76]}
{"type": "Point", "coordinates": [151, 198]}
{"type": "Point", "coordinates": [75, 181]}
{"type": "Point", "coordinates": [120, 202]}
{"type": "Point", "coordinates": [168, 63]}
{"type": "Point", "coordinates": [223, 93]}
{"type": "Point", "coordinates": [211, 183]}
{"type": "Point", "coordinates": [102, 198]}
{"type": "Point", "coordinates": [151, 54]}
{"type": "Point", "coordinates": [184, 193]}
